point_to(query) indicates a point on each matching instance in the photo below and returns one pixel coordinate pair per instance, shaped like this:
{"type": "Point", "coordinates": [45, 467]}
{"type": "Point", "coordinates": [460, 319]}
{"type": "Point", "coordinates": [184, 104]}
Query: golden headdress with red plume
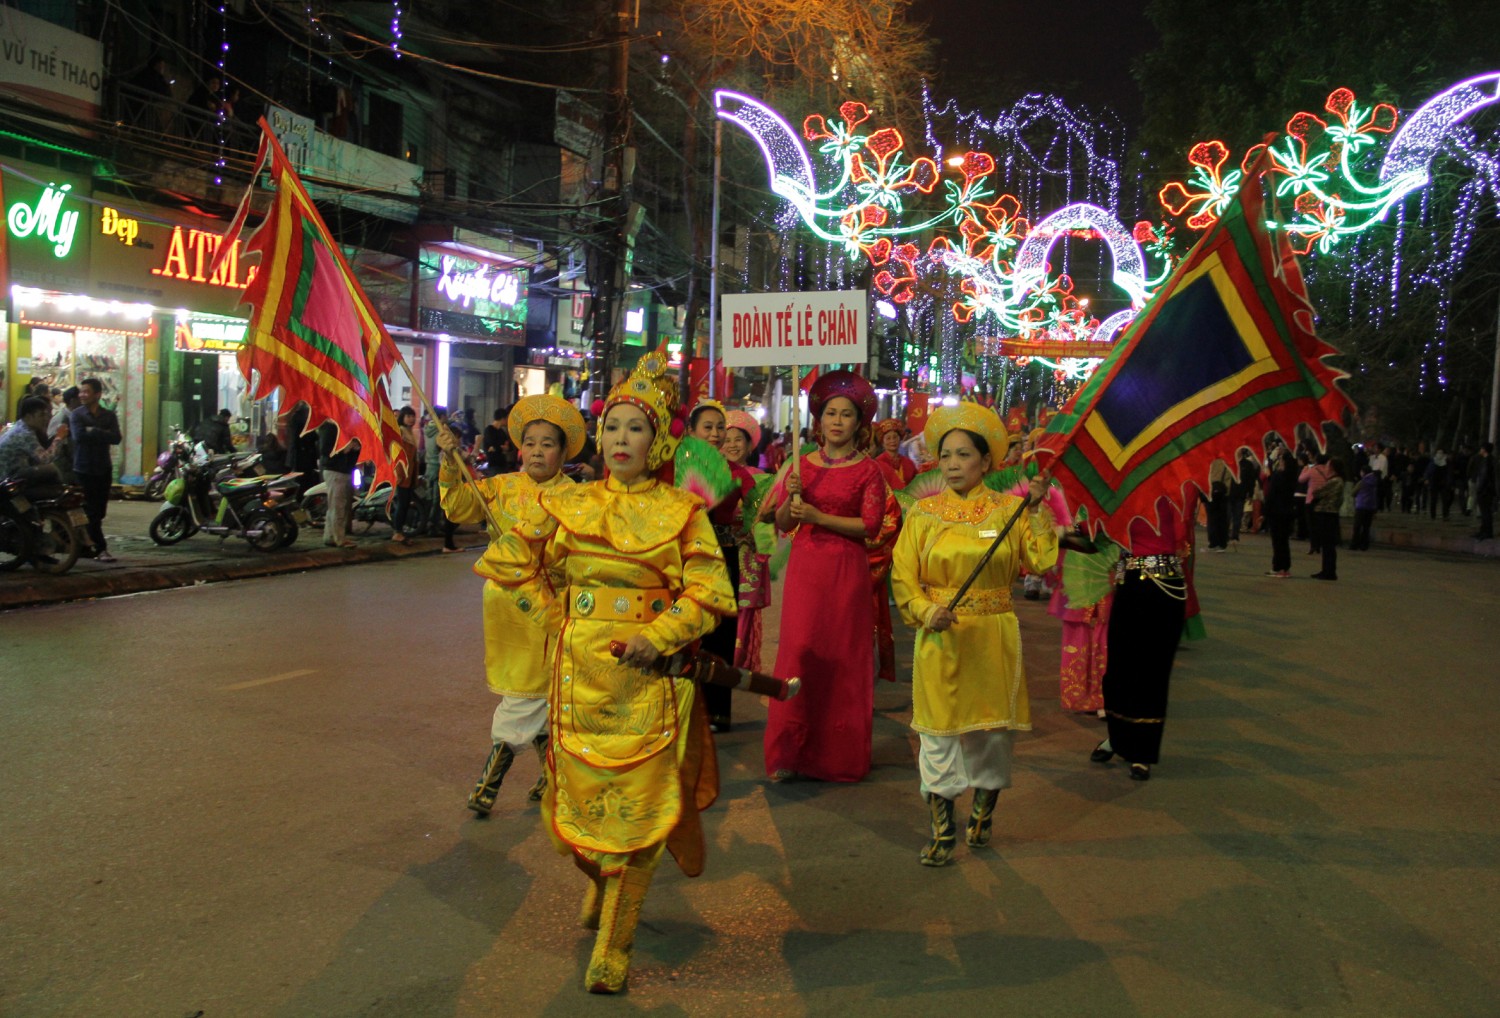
{"type": "Point", "coordinates": [648, 389]}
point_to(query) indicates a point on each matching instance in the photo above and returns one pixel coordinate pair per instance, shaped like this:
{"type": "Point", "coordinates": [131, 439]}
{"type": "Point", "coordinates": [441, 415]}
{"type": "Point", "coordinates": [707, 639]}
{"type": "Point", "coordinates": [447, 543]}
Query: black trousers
{"type": "Point", "coordinates": [96, 504]}
{"type": "Point", "coordinates": [1363, 520]}
{"type": "Point", "coordinates": [1145, 626]}
{"type": "Point", "coordinates": [1281, 541]}
{"type": "Point", "coordinates": [1218, 521]}
{"type": "Point", "coordinates": [719, 699]}
{"type": "Point", "coordinates": [1326, 534]}
{"type": "Point", "coordinates": [400, 506]}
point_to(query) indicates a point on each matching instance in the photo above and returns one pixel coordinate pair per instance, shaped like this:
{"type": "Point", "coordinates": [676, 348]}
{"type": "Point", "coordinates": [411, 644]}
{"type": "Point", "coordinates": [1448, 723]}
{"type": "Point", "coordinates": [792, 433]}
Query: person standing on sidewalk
{"type": "Point", "coordinates": [1218, 506]}
{"type": "Point", "coordinates": [1484, 490]}
{"type": "Point", "coordinates": [61, 421]}
{"type": "Point", "coordinates": [94, 430]}
{"type": "Point", "coordinates": [1366, 499]}
{"type": "Point", "coordinates": [437, 522]}
{"type": "Point", "coordinates": [1326, 501]}
{"type": "Point", "coordinates": [406, 474]}
{"type": "Point", "coordinates": [1314, 476]}
{"type": "Point", "coordinates": [338, 474]}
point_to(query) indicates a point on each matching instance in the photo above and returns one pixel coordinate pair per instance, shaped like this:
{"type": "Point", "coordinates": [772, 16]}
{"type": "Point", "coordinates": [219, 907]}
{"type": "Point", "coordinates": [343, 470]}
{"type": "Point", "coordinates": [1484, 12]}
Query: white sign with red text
{"type": "Point", "coordinates": [826, 327]}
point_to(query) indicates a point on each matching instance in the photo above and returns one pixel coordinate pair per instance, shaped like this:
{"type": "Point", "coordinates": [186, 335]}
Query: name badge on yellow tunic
{"type": "Point", "coordinates": [991, 534]}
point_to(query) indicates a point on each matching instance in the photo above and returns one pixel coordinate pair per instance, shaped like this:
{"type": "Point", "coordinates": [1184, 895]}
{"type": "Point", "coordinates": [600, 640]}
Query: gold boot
{"type": "Point", "coordinates": [482, 799]}
{"type": "Point", "coordinates": [977, 830]}
{"type": "Point", "coordinates": [540, 788]}
{"type": "Point", "coordinates": [609, 965]}
{"type": "Point", "coordinates": [944, 832]}
{"type": "Point", "coordinates": [593, 903]}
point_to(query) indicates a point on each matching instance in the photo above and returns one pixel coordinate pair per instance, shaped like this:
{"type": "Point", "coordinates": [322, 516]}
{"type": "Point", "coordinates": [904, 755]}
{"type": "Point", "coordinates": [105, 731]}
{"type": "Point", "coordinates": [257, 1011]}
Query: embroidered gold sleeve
{"type": "Point", "coordinates": [518, 563]}
{"type": "Point", "coordinates": [706, 594]}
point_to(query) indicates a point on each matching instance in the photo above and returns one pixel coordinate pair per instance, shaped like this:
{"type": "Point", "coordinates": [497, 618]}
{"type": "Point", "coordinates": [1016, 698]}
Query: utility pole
{"type": "Point", "coordinates": [1495, 385]}
{"type": "Point", "coordinates": [608, 280]}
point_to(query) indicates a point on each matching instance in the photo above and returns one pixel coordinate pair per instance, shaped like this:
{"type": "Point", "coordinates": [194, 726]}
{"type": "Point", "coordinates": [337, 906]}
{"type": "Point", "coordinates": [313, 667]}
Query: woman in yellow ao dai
{"type": "Point", "coordinates": [548, 432]}
{"type": "Point", "coordinates": [968, 686]}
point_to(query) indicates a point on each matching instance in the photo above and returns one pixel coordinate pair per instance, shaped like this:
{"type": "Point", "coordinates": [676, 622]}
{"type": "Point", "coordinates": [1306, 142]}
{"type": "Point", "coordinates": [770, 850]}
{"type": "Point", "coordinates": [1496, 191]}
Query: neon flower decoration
{"type": "Point", "coordinates": [998, 258]}
{"type": "Point", "coordinates": [1317, 165]}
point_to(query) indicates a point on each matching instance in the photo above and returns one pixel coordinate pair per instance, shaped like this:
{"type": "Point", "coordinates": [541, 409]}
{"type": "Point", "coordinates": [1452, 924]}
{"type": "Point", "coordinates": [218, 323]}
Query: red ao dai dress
{"type": "Point", "coordinates": [827, 631]}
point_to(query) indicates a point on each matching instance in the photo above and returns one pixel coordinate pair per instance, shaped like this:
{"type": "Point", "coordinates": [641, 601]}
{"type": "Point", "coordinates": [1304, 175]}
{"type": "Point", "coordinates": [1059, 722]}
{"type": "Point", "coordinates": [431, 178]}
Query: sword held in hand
{"type": "Point", "coordinates": [710, 669]}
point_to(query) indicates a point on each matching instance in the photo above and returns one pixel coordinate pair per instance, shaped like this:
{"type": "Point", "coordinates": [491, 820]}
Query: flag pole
{"type": "Point", "coordinates": [797, 426]}
{"type": "Point", "coordinates": [989, 553]}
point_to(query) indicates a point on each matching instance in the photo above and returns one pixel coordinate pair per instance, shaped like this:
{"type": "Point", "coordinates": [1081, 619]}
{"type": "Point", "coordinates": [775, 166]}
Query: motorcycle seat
{"type": "Point", "coordinates": [234, 484]}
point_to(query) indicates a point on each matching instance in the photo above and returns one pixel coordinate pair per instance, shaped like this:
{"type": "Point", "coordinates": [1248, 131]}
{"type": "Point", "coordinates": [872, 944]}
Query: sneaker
{"type": "Point", "coordinates": [105, 556]}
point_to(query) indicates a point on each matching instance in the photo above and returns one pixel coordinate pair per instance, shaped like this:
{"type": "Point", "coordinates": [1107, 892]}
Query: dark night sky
{"type": "Point", "coordinates": [1079, 49]}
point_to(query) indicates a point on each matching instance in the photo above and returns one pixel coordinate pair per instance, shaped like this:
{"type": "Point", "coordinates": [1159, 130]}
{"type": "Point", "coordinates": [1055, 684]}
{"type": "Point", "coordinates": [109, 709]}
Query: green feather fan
{"type": "Point", "coordinates": [697, 467]}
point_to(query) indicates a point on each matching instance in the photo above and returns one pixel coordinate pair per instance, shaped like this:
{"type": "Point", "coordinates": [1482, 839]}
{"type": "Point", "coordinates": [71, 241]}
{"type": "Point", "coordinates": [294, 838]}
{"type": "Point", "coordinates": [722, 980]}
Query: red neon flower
{"type": "Point", "coordinates": [976, 165]}
{"type": "Point", "coordinates": [815, 128]}
{"type": "Point", "coordinates": [854, 113]}
{"type": "Point", "coordinates": [1144, 232]}
{"type": "Point", "coordinates": [1212, 191]}
{"type": "Point", "coordinates": [883, 142]}
{"type": "Point", "coordinates": [1382, 117]}
{"type": "Point", "coordinates": [1210, 155]}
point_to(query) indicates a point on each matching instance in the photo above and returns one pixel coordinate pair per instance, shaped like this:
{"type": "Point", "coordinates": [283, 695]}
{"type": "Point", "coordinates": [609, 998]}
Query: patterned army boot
{"type": "Point", "coordinates": [977, 830]}
{"type": "Point", "coordinates": [482, 799]}
{"type": "Point", "coordinates": [609, 965]}
{"type": "Point", "coordinates": [540, 788]}
{"type": "Point", "coordinates": [944, 832]}
{"type": "Point", "coordinates": [593, 904]}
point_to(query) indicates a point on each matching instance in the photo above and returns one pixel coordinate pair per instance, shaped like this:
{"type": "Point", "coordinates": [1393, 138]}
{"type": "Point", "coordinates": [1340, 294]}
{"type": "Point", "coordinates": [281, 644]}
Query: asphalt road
{"type": "Point", "coordinates": [247, 799]}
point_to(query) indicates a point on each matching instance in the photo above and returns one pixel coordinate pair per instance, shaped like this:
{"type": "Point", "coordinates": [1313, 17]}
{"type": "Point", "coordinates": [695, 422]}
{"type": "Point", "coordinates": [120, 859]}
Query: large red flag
{"type": "Point", "coordinates": [313, 332]}
{"type": "Point", "coordinates": [1223, 354]}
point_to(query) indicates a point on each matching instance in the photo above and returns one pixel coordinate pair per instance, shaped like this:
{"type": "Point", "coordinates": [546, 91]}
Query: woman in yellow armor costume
{"type": "Point", "coordinates": [631, 561]}
{"type": "Point", "coordinates": [548, 432]}
{"type": "Point", "coordinates": [968, 687]}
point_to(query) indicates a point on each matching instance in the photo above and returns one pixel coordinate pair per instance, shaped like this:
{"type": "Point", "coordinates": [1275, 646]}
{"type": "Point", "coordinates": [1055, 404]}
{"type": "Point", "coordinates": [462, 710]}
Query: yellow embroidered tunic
{"type": "Point", "coordinates": [969, 678]}
{"type": "Point", "coordinates": [640, 558]}
{"type": "Point", "coordinates": [515, 651]}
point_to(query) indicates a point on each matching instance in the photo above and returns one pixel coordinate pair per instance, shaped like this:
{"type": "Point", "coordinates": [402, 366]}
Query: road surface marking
{"type": "Point", "coordinates": [267, 681]}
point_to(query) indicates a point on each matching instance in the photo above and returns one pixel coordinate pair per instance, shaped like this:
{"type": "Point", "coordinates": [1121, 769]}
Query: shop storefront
{"type": "Point", "coordinates": [164, 259]}
{"type": "Point", "coordinates": [473, 304]}
{"type": "Point", "coordinates": [61, 331]}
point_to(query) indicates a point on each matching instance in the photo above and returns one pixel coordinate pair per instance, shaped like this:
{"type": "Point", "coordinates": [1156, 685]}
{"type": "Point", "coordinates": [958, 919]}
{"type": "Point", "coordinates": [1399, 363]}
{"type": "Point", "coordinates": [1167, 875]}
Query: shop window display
{"type": "Point", "coordinates": [64, 358]}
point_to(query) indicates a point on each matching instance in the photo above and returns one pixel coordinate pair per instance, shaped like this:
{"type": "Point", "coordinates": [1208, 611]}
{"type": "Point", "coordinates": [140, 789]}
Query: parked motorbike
{"type": "Point", "coordinates": [209, 497]}
{"type": "Point", "coordinates": [372, 505]}
{"type": "Point", "coordinates": [43, 529]}
{"type": "Point", "coordinates": [169, 466]}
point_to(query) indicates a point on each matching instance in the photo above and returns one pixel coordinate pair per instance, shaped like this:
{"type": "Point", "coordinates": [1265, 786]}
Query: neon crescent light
{"type": "Point", "coordinates": [1417, 142]}
{"type": "Point", "coordinates": [786, 158]}
{"type": "Point", "coordinates": [1129, 262]}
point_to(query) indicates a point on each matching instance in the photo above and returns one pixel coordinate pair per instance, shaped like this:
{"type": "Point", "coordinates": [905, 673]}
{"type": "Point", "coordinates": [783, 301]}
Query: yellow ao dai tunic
{"type": "Point", "coordinates": [969, 678]}
{"type": "Point", "coordinates": [515, 651]}
{"type": "Point", "coordinates": [599, 563]}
